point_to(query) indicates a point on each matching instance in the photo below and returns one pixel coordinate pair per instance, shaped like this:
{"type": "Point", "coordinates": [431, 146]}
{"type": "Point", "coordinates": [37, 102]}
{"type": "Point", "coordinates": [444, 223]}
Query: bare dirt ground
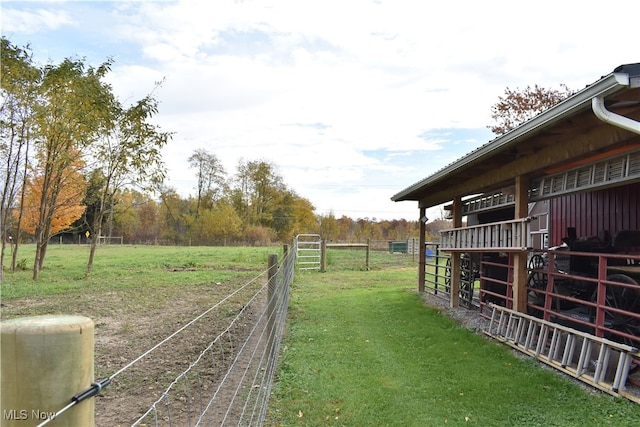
{"type": "Point", "coordinates": [127, 325]}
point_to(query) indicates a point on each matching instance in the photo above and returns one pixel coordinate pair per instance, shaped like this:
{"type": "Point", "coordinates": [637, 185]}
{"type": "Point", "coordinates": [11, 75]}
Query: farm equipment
{"type": "Point", "coordinates": [469, 273]}
{"type": "Point", "coordinates": [575, 281]}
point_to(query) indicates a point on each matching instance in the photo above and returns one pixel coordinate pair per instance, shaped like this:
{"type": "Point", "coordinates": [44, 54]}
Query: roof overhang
{"type": "Point", "coordinates": [562, 135]}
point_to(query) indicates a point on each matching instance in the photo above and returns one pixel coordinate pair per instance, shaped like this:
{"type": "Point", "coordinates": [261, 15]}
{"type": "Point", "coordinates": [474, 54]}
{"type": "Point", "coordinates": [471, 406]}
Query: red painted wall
{"type": "Point", "coordinates": [612, 209]}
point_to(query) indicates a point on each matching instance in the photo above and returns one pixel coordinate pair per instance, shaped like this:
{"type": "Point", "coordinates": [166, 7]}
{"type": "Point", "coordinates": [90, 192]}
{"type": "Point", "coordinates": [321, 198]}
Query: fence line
{"type": "Point", "coordinates": [239, 364]}
{"type": "Point", "coordinates": [240, 371]}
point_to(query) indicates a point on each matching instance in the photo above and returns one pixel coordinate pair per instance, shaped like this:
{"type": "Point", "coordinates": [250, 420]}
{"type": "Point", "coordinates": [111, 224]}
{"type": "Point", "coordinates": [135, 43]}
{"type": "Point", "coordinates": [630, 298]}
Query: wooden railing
{"type": "Point", "coordinates": [504, 236]}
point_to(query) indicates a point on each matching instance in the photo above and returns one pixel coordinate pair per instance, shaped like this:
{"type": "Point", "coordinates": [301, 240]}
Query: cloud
{"type": "Point", "coordinates": [33, 21]}
{"type": "Point", "coordinates": [353, 100]}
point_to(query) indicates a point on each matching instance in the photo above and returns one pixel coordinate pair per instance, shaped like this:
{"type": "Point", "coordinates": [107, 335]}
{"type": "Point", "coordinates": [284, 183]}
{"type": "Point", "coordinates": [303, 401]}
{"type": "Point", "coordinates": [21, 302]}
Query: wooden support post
{"type": "Point", "coordinates": [422, 259]}
{"type": "Point", "coordinates": [368, 252]}
{"type": "Point", "coordinates": [454, 297]}
{"type": "Point", "coordinates": [45, 361]}
{"type": "Point", "coordinates": [520, 258]}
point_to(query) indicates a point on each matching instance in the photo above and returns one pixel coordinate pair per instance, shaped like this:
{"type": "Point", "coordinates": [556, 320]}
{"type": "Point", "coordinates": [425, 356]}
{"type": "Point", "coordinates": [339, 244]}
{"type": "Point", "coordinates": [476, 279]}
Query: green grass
{"type": "Point", "coordinates": [131, 267]}
{"type": "Point", "coordinates": [363, 350]}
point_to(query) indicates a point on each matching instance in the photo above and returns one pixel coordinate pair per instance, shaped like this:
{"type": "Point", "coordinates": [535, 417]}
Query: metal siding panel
{"type": "Point", "coordinates": [611, 209]}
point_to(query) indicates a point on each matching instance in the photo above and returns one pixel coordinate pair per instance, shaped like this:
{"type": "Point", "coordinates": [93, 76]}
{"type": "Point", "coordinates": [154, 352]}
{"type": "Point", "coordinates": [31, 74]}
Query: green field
{"type": "Point", "coordinates": [363, 350]}
{"type": "Point", "coordinates": [130, 266]}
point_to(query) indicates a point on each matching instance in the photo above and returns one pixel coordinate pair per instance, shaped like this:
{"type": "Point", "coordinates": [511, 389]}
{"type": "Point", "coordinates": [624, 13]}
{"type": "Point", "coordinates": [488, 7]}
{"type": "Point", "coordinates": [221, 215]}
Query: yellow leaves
{"type": "Point", "coordinates": [300, 414]}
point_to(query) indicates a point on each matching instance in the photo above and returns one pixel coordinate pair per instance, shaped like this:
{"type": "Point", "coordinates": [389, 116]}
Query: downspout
{"type": "Point", "coordinates": [597, 104]}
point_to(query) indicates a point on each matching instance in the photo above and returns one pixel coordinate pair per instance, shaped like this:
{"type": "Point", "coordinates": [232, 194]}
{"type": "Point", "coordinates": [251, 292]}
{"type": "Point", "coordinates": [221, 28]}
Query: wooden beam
{"type": "Point", "coordinates": [422, 257]}
{"type": "Point", "coordinates": [520, 258]}
{"type": "Point", "coordinates": [454, 296]}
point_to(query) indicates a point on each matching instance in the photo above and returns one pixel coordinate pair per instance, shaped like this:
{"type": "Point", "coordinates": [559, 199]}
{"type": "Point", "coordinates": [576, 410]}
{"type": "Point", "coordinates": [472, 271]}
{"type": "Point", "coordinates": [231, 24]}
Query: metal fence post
{"type": "Point", "coordinates": [45, 361]}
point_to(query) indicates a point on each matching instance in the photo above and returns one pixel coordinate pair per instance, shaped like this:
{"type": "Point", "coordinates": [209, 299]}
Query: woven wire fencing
{"type": "Point", "coordinates": [229, 383]}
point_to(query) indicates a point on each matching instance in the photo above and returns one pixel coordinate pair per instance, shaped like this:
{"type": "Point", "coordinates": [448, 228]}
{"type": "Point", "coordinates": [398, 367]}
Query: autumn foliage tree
{"type": "Point", "coordinates": [68, 206]}
{"type": "Point", "coordinates": [70, 112]}
{"type": "Point", "coordinates": [517, 106]}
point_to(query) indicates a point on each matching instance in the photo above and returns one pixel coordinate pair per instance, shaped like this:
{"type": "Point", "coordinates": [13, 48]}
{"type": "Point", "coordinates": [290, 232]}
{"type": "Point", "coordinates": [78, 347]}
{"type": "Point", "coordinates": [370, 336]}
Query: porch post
{"type": "Point", "coordinates": [422, 259]}
{"type": "Point", "coordinates": [454, 297]}
{"type": "Point", "coordinates": [520, 258]}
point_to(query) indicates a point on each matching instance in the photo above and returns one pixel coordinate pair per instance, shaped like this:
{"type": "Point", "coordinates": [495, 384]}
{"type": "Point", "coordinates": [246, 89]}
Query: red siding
{"type": "Point", "coordinates": [612, 210]}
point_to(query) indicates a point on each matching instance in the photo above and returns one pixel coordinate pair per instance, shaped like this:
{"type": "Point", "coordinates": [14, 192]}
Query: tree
{"type": "Point", "coordinates": [68, 206]}
{"type": "Point", "coordinates": [211, 178]}
{"type": "Point", "coordinates": [72, 107]}
{"type": "Point", "coordinates": [17, 92]}
{"type": "Point", "coordinates": [126, 153]}
{"type": "Point", "coordinates": [329, 227]}
{"type": "Point", "coordinates": [135, 216]}
{"type": "Point", "coordinates": [292, 215]}
{"type": "Point", "coordinates": [220, 223]}
{"type": "Point", "coordinates": [257, 188]}
{"type": "Point", "coordinates": [173, 214]}
{"type": "Point", "coordinates": [516, 106]}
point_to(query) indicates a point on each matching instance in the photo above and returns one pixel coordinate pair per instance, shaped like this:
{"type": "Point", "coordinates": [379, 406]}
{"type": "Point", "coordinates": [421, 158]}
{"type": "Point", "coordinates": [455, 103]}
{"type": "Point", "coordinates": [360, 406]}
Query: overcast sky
{"type": "Point", "coordinates": [353, 100]}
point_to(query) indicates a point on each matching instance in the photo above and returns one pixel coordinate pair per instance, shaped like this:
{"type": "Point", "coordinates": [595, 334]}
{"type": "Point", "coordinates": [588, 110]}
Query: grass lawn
{"type": "Point", "coordinates": [363, 350]}
{"type": "Point", "coordinates": [130, 267]}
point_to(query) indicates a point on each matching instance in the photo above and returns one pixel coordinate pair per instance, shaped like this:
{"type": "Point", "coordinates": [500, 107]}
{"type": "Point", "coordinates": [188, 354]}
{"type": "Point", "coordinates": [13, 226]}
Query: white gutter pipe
{"type": "Point", "coordinates": [597, 104]}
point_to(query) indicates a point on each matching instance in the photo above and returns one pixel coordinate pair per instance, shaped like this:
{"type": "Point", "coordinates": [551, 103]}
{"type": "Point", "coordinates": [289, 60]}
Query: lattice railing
{"type": "Point", "coordinates": [504, 236]}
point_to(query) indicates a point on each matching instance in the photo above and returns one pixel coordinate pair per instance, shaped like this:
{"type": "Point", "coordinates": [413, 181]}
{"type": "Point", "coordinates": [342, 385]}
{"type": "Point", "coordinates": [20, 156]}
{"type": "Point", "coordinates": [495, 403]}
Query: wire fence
{"type": "Point", "coordinates": [230, 381]}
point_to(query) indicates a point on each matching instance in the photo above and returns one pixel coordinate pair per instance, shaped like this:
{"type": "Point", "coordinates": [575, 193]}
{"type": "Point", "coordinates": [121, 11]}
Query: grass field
{"type": "Point", "coordinates": [129, 266]}
{"type": "Point", "coordinates": [362, 348]}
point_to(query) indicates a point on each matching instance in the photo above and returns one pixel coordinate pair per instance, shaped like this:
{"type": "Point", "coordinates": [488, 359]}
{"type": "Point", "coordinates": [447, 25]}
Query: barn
{"type": "Point", "coordinates": [547, 215]}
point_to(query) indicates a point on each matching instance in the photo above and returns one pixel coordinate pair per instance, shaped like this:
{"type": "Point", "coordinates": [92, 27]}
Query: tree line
{"type": "Point", "coordinates": [80, 165]}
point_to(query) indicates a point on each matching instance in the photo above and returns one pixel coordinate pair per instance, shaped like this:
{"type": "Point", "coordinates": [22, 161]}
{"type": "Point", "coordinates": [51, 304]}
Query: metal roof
{"type": "Point", "coordinates": [565, 133]}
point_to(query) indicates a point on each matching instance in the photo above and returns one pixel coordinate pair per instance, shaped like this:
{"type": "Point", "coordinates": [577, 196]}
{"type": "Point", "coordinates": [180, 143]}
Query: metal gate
{"type": "Point", "coordinates": [308, 251]}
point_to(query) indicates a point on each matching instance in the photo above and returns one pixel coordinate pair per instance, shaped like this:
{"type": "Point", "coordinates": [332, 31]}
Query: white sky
{"type": "Point", "coordinates": [353, 100]}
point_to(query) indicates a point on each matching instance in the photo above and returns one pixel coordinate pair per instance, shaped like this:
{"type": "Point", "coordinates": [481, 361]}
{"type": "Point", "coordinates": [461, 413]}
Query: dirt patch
{"type": "Point", "coordinates": [128, 323]}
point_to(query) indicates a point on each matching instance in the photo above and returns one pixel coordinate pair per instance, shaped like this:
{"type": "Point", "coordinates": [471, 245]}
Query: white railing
{"type": "Point", "coordinates": [504, 236]}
